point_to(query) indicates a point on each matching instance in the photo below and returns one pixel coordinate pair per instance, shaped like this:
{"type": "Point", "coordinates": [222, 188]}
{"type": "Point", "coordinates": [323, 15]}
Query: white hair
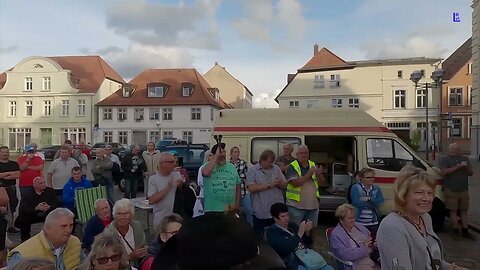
{"type": "Point", "coordinates": [56, 214]}
{"type": "Point", "coordinates": [302, 147]}
{"type": "Point", "coordinates": [124, 204]}
{"type": "Point", "coordinates": [97, 202]}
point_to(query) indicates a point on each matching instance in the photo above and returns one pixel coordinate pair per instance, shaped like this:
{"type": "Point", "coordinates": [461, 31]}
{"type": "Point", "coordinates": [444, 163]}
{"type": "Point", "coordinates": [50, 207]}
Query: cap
{"type": "Point", "coordinates": [215, 147]}
{"type": "Point", "coordinates": [29, 148]}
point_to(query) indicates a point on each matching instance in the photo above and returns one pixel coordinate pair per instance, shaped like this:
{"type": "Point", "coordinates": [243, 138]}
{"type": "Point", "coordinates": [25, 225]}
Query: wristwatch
{"type": "Point", "coordinates": [268, 186]}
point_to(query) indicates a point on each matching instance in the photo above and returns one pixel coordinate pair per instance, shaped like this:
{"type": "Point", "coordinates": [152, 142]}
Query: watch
{"type": "Point", "coordinates": [268, 187]}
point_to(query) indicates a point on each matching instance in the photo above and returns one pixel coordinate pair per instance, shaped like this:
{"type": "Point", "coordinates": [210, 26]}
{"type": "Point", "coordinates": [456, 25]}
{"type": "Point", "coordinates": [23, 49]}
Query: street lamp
{"type": "Point", "coordinates": [159, 130]}
{"type": "Point", "coordinates": [415, 77]}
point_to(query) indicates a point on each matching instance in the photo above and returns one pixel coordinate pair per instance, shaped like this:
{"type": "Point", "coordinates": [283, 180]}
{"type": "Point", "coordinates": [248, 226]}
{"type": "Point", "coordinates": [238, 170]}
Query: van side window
{"type": "Point", "coordinates": [387, 154]}
{"type": "Point", "coordinates": [275, 144]}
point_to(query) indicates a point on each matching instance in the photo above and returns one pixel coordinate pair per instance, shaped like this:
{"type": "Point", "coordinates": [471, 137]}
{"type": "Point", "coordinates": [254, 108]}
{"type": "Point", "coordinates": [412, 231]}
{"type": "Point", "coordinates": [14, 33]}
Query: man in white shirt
{"type": "Point", "coordinates": [59, 171]}
{"type": "Point", "coordinates": [162, 187]}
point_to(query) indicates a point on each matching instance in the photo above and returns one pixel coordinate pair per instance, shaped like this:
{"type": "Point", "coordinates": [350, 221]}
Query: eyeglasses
{"type": "Point", "coordinates": [114, 258]}
{"type": "Point", "coordinates": [124, 214]}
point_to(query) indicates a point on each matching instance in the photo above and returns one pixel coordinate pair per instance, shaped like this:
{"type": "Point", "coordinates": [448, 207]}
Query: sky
{"type": "Point", "coordinates": [257, 41]}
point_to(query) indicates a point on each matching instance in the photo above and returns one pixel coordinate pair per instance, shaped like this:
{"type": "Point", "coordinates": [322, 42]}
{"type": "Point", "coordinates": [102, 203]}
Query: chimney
{"type": "Point", "coordinates": [315, 49]}
{"type": "Point", "coordinates": [216, 63]}
{"type": "Point", "coordinates": [290, 77]}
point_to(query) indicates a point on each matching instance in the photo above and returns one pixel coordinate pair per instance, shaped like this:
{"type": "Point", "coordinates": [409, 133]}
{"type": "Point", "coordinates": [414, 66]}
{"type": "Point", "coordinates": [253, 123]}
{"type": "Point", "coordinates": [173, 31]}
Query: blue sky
{"type": "Point", "coordinates": [258, 41]}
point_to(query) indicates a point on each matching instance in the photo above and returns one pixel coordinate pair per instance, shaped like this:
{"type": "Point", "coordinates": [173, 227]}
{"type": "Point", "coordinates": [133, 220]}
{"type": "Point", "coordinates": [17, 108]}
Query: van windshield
{"type": "Point", "coordinates": [389, 155]}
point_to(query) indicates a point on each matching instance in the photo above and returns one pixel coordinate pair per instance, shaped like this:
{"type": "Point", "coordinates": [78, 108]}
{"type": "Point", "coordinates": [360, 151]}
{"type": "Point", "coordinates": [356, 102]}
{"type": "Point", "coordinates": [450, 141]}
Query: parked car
{"type": "Point", "coordinates": [50, 151]}
{"type": "Point", "coordinates": [166, 142]}
{"type": "Point", "coordinates": [128, 149]}
{"type": "Point", "coordinates": [116, 147]}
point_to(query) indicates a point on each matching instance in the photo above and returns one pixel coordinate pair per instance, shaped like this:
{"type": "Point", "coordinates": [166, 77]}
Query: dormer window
{"type": "Point", "coordinates": [216, 95]}
{"type": "Point", "coordinates": [127, 90]}
{"type": "Point", "coordinates": [186, 90]}
{"type": "Point", "coordinates": [157, 90]}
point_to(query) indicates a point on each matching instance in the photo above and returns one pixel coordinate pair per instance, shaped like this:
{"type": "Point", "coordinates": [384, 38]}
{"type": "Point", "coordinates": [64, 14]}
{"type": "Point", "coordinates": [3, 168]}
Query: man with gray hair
{"type": "Point", "coordinates": [55, 242]}
{"type": "Point", "coordinates": [97, 223]}
{"type": "Point", "coordinates": [162, 187]}
{"type": "Point", "coordinates": [456, 169]}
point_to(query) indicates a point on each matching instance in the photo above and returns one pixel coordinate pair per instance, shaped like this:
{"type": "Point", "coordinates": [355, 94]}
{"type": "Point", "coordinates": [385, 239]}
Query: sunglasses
{"type": "Point", "coordinates": [114, 258]}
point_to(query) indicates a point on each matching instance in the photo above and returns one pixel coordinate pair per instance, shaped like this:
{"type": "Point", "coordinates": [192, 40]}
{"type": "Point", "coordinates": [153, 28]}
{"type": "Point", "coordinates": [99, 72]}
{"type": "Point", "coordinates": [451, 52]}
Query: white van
{"type": "Point", "coordinates": [341, 140]}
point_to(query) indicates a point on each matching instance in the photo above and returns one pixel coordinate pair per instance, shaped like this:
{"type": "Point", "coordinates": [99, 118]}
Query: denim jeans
{"type": "Point", "coordinates": [131, 184]}
{"type": "Point", "coordinates": [298, 215]}
{"type": "Point", "coordinates": [259, 225]}
{"type": "Point", "coordinates": [109, 185]}
{"type": "Point", "coordinates": [247, 208]}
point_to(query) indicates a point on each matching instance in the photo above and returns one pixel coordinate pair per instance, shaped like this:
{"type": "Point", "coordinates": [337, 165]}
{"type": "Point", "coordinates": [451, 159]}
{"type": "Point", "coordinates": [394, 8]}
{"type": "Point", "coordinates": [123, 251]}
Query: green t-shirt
{"type": "Point", "coordinates": [220, 187]}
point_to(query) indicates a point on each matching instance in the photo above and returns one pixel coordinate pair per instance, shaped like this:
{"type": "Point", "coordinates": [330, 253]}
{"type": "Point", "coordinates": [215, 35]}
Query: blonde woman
{"type": "Point", "coordinates": [405, 237]}
{"type": "Point", "coordinates": [107, 254]}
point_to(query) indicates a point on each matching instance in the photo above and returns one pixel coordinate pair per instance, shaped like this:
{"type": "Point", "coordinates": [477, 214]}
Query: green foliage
{"type": "Point", "coordinates": [415, 139]}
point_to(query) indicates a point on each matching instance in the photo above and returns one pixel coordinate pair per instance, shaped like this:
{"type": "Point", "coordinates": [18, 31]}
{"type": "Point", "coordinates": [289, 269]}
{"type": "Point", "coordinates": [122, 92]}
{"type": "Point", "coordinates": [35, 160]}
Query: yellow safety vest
{"type": "Point", "coordinates": [293, 193]}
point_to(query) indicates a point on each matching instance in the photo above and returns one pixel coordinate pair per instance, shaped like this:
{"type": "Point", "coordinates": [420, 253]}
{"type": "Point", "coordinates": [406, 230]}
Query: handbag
{"type": "Point", "coordinates": [311, 259]}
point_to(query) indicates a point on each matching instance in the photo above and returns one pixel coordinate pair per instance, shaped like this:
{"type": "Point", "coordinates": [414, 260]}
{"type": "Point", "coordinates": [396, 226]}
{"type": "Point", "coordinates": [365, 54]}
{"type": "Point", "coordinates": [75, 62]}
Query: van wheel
{"type": "Point", "coordinates": [438, 214]}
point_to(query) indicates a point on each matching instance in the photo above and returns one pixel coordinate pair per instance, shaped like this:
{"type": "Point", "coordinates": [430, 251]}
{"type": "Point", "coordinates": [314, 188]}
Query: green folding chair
{"type": "Point", "coordinates": [85, 203]}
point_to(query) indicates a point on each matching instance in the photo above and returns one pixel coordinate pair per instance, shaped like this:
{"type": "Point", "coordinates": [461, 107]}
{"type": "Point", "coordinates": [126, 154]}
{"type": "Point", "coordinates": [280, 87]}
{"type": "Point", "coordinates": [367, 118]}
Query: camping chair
{"type": "Point", "coordinates": [85, 203]}
{"type": "Point", "coordinates": [340, 264]}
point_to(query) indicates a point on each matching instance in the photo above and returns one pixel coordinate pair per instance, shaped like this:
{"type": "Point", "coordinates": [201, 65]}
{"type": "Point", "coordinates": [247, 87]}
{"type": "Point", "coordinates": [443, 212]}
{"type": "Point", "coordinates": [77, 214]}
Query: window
{"type": "Point", "coordinates": [186, 90]}
{"type": "Point", "coordinates": [154, 113]}
{"type": "Point", "coordinates": [107, 114]}
{"type": "Point", "coordinates": [76, 135]}
{"type": "Point", "coordinates": [421, 98]}
{"type": "Point", "coordinates": [46, 83]}
{"type": "Point", "coordinates": [212, 114]}
{"type": "Point", "coordinates": [334, 80]}
{"type": "Point", "coordinates": [81, 107]}
{"type": "Point", "coordinates": [65, 107]}
{"type": "Point", "coordinates": [187, 136]}
{"type": "Point", "coordinates": [353, 103]}
{"type": "Point", "coordinates": [138, 114]}
{"type": "Point", "coordinates": [28, 108]}
{"type": "Point", "coordinates": [312, 104]}
{"type": "Point", "coordinates": [275, 144]}
{"type": "Point", "coordinates": [423, 73]}
{"type": "Point", "coordinates": [422, 127]}
{"type": "Point", "coordinates": [318, 82]}
{"type": "Point", "coordinates": [216, 94]}
{"type": "Point", "coordinates": [167, 113]}
{"type": "Point", "coordinates": [167, 134]}
{"type": "Point", "coordinates": [19, 137]}
{"type": "Point", "coordinates": [47, 107]}
{"type": "Point", "coordinates": [469, 68]}
{"type": "Point", "coordinates": [455, 96]}
{"type": "Point", "coordinates": [457, 128]}
{"type": "Point", "coordinates": [399, 125]}
{"type": "Point", "coordinates": [154, 136]}
{"type": "Point", "coordinates": [28, 83]}
{"type": "Point", "coordinates": [469, 89]}
{"type": "Point", "coordinates": [399, 99]}
{"type": "Point", "coordinates": [196, 113]}
{"type": "Point", "coordinates": [122, 114]}
{"type": "Point", "coordinates": [123, 137]}
{"type": "Point", "coordinates": [12, 108]}
{"type": "Point", "coordinates": [294, 104]}
{"type": "Point", "coordinates": [400, 74]}
{"type": "Point", "coordinates": [156, 91]}
{"type": "Point", "coordinates": [108, 136]}
{"type": "Point", "coordinates": [389, 155]}
{"type": "Point", "coordinates": [470, 122]}
{"type": "Point", "coordinates": [336, 103]}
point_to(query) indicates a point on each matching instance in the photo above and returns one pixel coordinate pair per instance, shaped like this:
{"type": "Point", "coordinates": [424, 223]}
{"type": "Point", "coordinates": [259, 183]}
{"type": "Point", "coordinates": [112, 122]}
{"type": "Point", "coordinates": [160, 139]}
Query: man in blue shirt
{"type": "Point", "coordinates": [77, 181]}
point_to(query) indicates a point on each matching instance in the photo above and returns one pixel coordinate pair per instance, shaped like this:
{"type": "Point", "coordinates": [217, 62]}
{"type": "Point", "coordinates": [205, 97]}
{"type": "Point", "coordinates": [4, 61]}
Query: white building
{"type": "Point", "coordinates": [160, 103]}
{"type": "Point", "coordinates": [380, 87]}
{"type": "Point", "coordinates": [47, 100]}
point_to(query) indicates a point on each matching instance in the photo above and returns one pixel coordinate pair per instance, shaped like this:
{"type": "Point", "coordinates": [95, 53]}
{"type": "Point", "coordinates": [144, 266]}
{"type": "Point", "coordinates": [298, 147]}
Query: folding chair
{"type": "Point", "coordinates": [340, 264]}
{"type": "Point", "coordinates": [85, 203]}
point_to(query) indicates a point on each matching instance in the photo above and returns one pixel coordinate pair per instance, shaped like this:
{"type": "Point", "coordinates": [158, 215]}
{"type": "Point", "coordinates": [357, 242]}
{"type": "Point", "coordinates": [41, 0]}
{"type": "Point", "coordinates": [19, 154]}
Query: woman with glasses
{"type": "Point", "coordinates": [128, 231]}
{"type": "Point", "coordinates": [168, 227]}
{"type": "Point", "coordinates": [367, 198]}
{"type": "Point", "coordinates": [107, 254]}
{"type": "Point", "coordinates": [405, 237]}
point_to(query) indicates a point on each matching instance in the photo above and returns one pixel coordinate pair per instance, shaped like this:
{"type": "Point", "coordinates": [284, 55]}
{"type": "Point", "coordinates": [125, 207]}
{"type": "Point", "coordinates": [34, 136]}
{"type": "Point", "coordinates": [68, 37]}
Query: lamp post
{"type": "Point", "coordinates": [415, 77]}
{"type": "Point", "coordinates": [159, 130]}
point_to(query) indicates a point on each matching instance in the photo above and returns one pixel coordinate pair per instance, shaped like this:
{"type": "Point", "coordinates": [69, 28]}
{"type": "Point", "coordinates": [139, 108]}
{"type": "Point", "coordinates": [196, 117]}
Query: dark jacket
{"type": "Point", "coordinates": [93, 228]}
{"type": "Point", "coordinates": [69, 191]}
{"type": "Point", "coordinates": [32, 199]}
{"type": "Point", "coordinates": [285, 243]}
{"type": "Point", "coordinates": [127, 165]}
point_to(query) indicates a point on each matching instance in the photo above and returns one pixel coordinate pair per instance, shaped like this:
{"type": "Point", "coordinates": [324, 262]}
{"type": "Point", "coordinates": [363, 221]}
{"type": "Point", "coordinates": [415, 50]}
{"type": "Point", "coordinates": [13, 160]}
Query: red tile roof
{"type": "Point", "coordinates": [173, 78]}
{"type": "Point", "coordinates": [457, 59]}
{"type": "Point", "coordinates": [324, 59]}
{"type": "Point", "coordinates": [90, 71]}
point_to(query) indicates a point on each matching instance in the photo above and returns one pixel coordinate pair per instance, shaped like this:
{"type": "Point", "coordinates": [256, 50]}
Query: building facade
{"type": "Point", "coordinates": [47, 100]}
{"type": "Point", "coordinates": [232, 91]}
{"type": "Point", "coordinates": [380, 87]}
{"type": "Point", "coordinates": [456, 104]}
{"type": "Point", "coordinates": [160, 104]}
{"type": "Point", "coordinates": [475, 127]}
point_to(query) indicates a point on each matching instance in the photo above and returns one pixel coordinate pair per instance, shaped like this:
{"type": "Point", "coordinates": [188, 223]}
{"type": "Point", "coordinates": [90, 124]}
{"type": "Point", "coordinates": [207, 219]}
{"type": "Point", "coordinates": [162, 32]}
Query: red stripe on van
{"type": "Point", "coordinates": [391, 180]}
{"type": "Point", "coordinates": [303, 129]}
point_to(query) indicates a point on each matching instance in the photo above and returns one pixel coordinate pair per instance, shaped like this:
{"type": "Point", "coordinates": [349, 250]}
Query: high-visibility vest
{"type": "Point", "coordinates": [293, 193]}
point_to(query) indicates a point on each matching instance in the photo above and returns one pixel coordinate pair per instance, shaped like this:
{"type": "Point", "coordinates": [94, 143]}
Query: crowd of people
{"type": "Point", "coordinates": [274, 202]}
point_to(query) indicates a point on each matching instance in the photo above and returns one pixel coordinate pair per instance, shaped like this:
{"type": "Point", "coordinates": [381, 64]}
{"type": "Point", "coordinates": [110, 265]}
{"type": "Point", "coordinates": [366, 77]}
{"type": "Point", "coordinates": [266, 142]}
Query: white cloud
{"type": "Point", "coordinates": [266, 100]}
{"type": "Point", "coordinates": [410, 47]}
{"type": "Point", "coordinates": [9, 49]}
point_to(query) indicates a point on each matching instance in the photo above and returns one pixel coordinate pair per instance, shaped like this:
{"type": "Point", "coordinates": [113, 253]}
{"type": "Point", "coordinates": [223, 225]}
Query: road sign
{"type": "Point", "coordinates": [449, 116]}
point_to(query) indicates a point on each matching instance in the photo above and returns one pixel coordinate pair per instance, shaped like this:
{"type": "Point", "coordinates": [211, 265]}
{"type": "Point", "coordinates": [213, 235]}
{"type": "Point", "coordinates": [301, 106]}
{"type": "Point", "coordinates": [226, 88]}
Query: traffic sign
{"type": "Point", "coordinates": [449, 116]}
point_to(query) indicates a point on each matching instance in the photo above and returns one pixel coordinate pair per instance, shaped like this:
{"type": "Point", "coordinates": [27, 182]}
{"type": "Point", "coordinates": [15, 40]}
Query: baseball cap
{"type": "Point", "coordinates": [215, 147]}
{"type": "Point", "coordinates": [29, 148]}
